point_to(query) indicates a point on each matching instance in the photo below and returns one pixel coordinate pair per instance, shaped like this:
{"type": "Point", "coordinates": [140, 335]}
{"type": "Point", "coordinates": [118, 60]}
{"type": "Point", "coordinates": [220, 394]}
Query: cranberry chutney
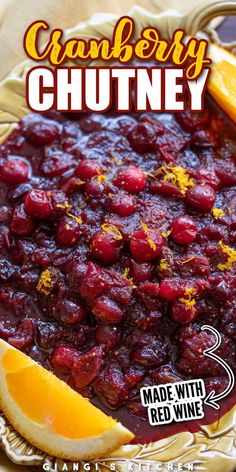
{"type": "Point", "coordinates": [117, 243]}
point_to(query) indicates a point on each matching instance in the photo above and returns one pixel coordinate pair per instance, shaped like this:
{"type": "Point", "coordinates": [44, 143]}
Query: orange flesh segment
{"type": "Point", "coordinates": [62, 410]}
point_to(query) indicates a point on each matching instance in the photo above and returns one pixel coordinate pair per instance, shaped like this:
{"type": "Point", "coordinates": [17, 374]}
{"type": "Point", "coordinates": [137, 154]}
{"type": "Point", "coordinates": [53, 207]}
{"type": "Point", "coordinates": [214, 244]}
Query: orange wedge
{"type": "Point", "coordinates": [52, 416]}
{"type": "Point", "coordinates": [222, 81]}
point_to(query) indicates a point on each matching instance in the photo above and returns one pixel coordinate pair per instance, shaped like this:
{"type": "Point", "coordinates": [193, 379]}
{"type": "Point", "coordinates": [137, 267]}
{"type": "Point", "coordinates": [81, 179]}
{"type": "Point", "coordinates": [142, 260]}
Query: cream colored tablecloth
{"type": "Point", "coordinates": [16, 15]}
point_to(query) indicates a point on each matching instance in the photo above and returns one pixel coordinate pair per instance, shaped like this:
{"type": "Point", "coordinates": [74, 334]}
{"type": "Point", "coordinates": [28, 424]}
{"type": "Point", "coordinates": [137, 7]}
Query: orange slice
{"type": "Point", "coordinates": [52, 416]}
{"type": "Point", "coordinates": [222, 81]}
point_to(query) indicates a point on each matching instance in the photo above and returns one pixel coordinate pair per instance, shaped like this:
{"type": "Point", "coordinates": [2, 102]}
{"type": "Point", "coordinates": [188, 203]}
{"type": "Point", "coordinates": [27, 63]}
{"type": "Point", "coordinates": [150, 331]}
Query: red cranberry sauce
{"type": "Point", "coordinates": [117, 243]}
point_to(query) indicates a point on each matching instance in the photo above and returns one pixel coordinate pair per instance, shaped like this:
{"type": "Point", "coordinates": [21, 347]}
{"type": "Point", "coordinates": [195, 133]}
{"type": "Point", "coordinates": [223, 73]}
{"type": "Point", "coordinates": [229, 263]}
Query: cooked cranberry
{"type": "Point", "coordinates": [41, 134]}
{"type": "Point", "coordinates": [146, 245]}
{"type": "Point", "coordinates": [207, 176]}
{"type": "Point", "coordinates": [38, 204]}
{"type": "Point", "coordinates": [87, 169]}
{"type": "Point", "coordinates": [70, 312]}
{"type": "Point", "coordinates": [63, 356]}
{"type": "Point", "coordinates": [14, 170]}
{"type": "Point", "coordinates": [94, 283]}
{"type": "Point", "coordinates": [132, 180]}
{"type": "Point", "coordinates": [56, 164]}
{"type": "Point", "coordinates": [24, 335]}
{"type": "Point", "coordinates": [6, 329]}
{"type": "Point", "coordinates": [76, 275]}
{"type": "Point", "coordinates": [203, 139]}
{"type": "Point", "coordinates": [86, 367]}
{"type": "Point", "coordinates": [21, 224]}
{"type": "Point", "coordinates": [165, 188]}
{"type": "Point", "coordinates": [184, 230]}
{"type": "Point", "coordinates": [108, 335]}
{"type": "Point", "coordinates": [201, 198]}
{"type": "Point", "coordinates": [181, 313]}
{"type": "Point", "coordinates": [151, 289]}
{"type": "Point", "coordinates": [136, 408]}
{"type": "Point", "coordinates": [107, 311]}
{"type": "Point", "coordinates": [149, 355]}
{"type": "Point", "coordinates": [71, 185]}
{"type": "Point", "coordinates": [105, 247]}
{"type": "Point", "coordinates": [190, 121]}
{"type": "Point", "coordinates": [166, 374]}
{"type": "Point", "coordinates": [142, 137]}
{"type": "Point", "coordinates": [48, 334]}
{"type": "Point", "coordinates": [170, 289]}
{"type": "Point", "coordinates": [67, 232]}
{"type": "Point", "coordinates": [192, 344]}
{"type": "Point", "coordinates": [111, 386]}
{"type": "Point", "coordinates": [95, 188]}
{"type": "Point", "coordinates": [141, 272]}
{"type": "Point", "coordinates": [122, 204]}
{"type": "Point", "coordinates": [227, 175]}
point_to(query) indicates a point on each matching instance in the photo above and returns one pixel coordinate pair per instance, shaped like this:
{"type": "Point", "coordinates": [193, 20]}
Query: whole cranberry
{"type": "Point", "coordinates": [67, 232]}
{"type": "Point", "coordinates": [87, 169]}
{"type": "Point", "coordinates": [70, 312]}
{"type": "Point", "coordinates": [108, 335]}
{"type": "Point", "coordinates": [207, 176]}
{"type": "Point", "coordinates": [14, 170]}
{"type": "Point", "coordinates": [184, 230]}
{"type": "Point", "coordinates": [41, 134]}
{"type": "Point", "coordinates": [107, 311]}
{"type": "Point", "coordinates": [145, 246]}
{"type": "Point", "coordinates": [105, 247]}
{"type": "Point", "coordinates": [21, 224]}
{"type": "Point", "coordinates": [181, 313]}
{"type": "Point", "coordinates": [201, 198]}
{"type": "Point", "coordinates": [38, 204]}
{"type": "Point", "coordinates": [132, 180]}
{"type": "Point", "coordinates": [142, 137]}
{"type": "Point", "coordinates": [122, 204]}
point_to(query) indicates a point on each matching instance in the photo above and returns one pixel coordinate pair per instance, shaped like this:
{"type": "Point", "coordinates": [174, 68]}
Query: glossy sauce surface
{"type": "Point", "coordinates": [117, 243]}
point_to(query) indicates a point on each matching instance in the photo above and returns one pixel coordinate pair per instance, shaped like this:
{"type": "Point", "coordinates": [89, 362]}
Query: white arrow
{"type": "Point", "coordinates": [211, 398]}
